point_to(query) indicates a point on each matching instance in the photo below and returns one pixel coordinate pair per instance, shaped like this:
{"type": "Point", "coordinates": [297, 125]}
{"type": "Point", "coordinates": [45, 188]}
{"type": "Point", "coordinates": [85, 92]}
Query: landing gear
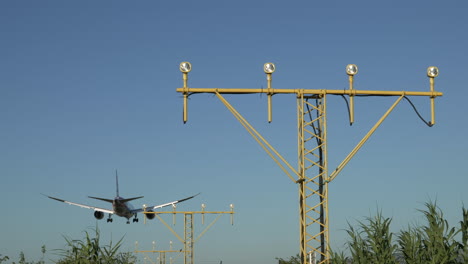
{"type": "Point", "coordinates": [135, 219]}
{"type": "Point", "coordinates": [109, 219]}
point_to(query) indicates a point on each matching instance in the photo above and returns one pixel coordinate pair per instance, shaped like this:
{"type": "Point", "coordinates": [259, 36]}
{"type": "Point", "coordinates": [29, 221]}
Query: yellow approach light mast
{"type": "Point", "coordinates": [312, 175]}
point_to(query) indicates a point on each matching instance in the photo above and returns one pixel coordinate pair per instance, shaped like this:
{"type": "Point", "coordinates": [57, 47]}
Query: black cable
{"type": "Point", "coordinates": [429, 124]}
{"type": "Point", "coordinates": [347, 106]}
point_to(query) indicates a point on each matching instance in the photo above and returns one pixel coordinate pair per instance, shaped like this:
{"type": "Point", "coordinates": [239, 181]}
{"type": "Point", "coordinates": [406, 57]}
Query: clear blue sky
{"type": "Point", "coordinates": [88, 87]}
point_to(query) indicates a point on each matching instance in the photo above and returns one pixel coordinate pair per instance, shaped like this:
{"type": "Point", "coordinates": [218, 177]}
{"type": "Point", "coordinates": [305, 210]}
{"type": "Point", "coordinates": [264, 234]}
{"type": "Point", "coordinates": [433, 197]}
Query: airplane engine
{"type": "Point", "coordinates": [150, 216]}
{"type": "Point", "coordinates": [99, 215]}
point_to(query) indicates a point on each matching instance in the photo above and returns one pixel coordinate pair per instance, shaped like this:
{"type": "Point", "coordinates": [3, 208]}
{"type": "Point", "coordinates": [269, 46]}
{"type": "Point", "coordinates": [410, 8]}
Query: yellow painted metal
{"type": "Point", "coordinates": [269, 93]}
{"type": "Point", "coordinates": [171, 229]}
{"type": "Point", "coordinates": [306, 91]}
{"type": "Point", "coordinates": [363, 140]}
{"type": "Point", "coordinates": [208, 227]}
{"type": "Point", "coordinates": [269, 149]}
{"type": "Point", "coordinates": [188, 239]}
{"type": "Point", "coordinates": [431, 84]}
{"type": "Point", "coordinates": [185, 94]}
{"type": "Point", "coordinates": [189, 212]}
{"type": "Point", "coordinates": [351, 99]}
{"type": "Point", "coordinates": [313, 186]}
{"type": "Point", "coordinates": [161, 255]}
{"type": "Point", "coordinates": [351, 92]}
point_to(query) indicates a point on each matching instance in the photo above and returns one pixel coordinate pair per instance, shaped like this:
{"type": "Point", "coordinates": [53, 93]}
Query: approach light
{"type": "Point", "coordinates": [185, 67]}
{"type": "Point", "coordinates": [269, 67]}
{"type": "Point", "coordinates": [351, 69]}
{"type": "Point", "coordinates": [432, 72]}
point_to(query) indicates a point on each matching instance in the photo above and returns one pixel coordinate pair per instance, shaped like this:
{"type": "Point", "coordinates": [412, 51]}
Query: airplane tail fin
{"type": "Point", "coordinates": [117, 183]}
{"type": "Point", "coordinates": [117, 190]}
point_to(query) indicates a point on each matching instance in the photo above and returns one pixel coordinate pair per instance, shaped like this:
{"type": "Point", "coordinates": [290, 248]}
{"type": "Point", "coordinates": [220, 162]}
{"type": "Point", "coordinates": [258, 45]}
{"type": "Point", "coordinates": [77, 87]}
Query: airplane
{"type": "Point", "coordinates": [121, 206]}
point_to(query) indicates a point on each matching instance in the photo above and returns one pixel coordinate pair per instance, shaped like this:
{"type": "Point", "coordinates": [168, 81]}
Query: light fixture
{"type": "Point", "coordinates": [185, 67]}
{"type": "Point", "coordinates": [432, 72]}
{"type": "Point", "coordinates": [351, 69]}
{"type": "Point", "coordinates": [269, 67]}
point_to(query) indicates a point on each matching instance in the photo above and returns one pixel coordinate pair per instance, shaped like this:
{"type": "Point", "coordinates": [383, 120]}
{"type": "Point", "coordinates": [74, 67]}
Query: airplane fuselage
{"type": "Point", "coordinates": [121, 208]}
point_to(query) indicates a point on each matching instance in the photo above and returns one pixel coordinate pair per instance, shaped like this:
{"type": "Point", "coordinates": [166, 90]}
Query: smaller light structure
{"type": "Point", "coordinates": [269, 67]}
{"type": "Point", "coordinates": [351, 69]}
{"type": "Point", "coordinates": [185, 67]}
{"type": "Point", "coordinates": [432, 72]}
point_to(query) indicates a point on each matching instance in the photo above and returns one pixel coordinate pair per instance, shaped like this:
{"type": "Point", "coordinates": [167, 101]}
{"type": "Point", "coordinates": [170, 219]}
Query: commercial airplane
{"type": "Point", "coordinates": [121, 206]}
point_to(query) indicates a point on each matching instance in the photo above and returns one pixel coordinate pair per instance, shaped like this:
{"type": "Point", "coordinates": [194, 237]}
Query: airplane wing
{"type": "Point", "coordinates": [82, 205]}
{"type": "Point", "coordinates": [162, 205]}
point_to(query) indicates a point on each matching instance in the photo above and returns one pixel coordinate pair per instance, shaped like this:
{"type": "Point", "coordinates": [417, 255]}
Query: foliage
{"type": "Point", "coordinates": [86, 251]}
{"type": "Point", "coordinates": [463, 246]}
{"type": "Point", "coordinates": [90, 251]}
{"type": "Point", "coordinates": [371, 241]}
{"type": "Point", "coordinates": [292, 260]}
{"type": "Point", "coordinates": [339, 258]}
{"type": "Point", "coordinates": [4, 258]}
{"type": "Point", "coordinates": [438, 239]}
{"type": "Point", "coordinates": [410, 242]}
{"type": "Point", "coordinates": [22, 259]}
{"type": "Point", "coordinates": [429, 244]}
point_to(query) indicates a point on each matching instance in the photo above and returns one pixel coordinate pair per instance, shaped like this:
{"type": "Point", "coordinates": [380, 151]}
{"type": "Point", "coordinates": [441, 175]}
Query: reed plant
{"type": "Point", "coordinates": [372, 241]}
{"type": "Point", "coordinates": [90, 251]}
{"type": "Point", "coordinates": [463, 246]}
{"type": "Point", "coordinates": [435, 242]}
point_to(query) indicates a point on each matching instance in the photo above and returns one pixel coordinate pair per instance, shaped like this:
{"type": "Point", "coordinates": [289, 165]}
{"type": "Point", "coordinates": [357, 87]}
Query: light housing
{"type": "Point", "coordinates": [269, 67]}
{"type": "Point", "coordinates": [351, 69]}
{"type": "Point", "coordinates": [432, 72]}
{"type": "Point", "coordinates": [185, 67]}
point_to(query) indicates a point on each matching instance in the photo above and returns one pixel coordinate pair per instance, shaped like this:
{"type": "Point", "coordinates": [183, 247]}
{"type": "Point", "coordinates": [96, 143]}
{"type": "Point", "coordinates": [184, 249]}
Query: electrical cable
{"type": "Point", "coordinates": [429, 124]}
{"type": "Point", "coordinates": [347, 106]}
